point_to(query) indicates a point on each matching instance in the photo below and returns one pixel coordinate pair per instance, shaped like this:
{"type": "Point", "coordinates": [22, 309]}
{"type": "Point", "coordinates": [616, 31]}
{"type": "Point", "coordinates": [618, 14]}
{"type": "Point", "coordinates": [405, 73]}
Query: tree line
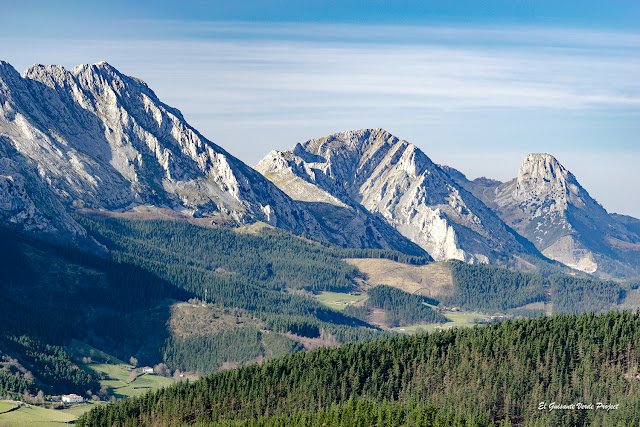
{"type": "Point", "coordinates": [39, 366]}
{"type": "Point", "coordinates": [493, 289]}
{"type": "Point", "coordinates": [497, 372]}
{"type": "Point", "coordinates": [401, 308]}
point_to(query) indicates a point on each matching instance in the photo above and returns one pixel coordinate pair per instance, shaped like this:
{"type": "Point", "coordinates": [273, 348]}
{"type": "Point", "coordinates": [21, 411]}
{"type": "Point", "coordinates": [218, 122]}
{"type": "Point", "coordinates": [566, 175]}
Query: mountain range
{"type": "Point", "coordinates": [94, 139]}
{"type": "Point", "coordinates": [393, 180]}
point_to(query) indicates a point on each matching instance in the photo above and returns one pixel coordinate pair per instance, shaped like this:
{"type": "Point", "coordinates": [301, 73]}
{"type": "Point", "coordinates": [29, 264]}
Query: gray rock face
{"type": "Point", "coordinates": [347, 223]}
{"type": "Point", "coordinates": [394, 181]}
{"type": "Point", "coordinates": [96, 138]}
{"type": "Point", "coordinates": [546, 204]}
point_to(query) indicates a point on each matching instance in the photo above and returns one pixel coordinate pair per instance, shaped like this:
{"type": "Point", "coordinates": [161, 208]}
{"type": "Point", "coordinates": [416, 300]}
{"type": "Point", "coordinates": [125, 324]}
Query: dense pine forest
{"type": "Point", "coordinates": [492, 289]}
{"type": "Point", "coordinates": [364, 412]}
{"type": "Point", "coordinates": [41, 367]}
{"type": "Point", "coordinates": [206, 353]}
{"type": "Point", "coordinates": [401, 308]}
{"type": "Point", "coordinates": [509, 372]}
{"type": "Point", "coordinates": [52, 294]}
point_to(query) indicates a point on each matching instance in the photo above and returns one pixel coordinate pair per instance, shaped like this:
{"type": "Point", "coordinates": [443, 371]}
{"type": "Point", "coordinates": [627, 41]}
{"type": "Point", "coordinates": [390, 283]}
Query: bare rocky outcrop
{"type": "Point", "coordinates": [547, 205]}
{"type": "Point", "coordinates": [393, 180]}
{"type": "Point", "coordinates": [95, 138]}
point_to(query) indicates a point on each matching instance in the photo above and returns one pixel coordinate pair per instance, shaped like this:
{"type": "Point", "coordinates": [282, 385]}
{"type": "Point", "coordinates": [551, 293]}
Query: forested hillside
{"type": "Point", "coordinates": [492, 289]}
{"type": "Point", "coordinates": [499, 371]}
{"type": "Point", "coordinates": [401, 308]}
{"type": "Point", "coordinates": [28, 365]}
{"type": "Point", "coordinates": [52, 294]}
{"type": "Point", "coordinates": [123, 303]}
{"type": "Point", "coordinates": [258, 272]}
{"type": "Point", "coordinates": [272, 259]}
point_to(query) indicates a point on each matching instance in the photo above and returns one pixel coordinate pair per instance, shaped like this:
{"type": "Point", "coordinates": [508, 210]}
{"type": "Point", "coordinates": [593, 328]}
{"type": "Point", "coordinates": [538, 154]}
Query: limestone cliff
{"type": "Point", "coordinates": [546, 204]}
{"type": "Point", "coordinates": [93, 137]}
{"type": "Point", "coordinates": [395, 181]}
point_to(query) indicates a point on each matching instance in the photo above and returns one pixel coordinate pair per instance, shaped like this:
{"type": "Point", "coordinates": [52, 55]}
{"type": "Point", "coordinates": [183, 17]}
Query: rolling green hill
{"type": "Point", "coordinates": [202, 299]}
{"type": "Point", "coordinates": [126, 303]}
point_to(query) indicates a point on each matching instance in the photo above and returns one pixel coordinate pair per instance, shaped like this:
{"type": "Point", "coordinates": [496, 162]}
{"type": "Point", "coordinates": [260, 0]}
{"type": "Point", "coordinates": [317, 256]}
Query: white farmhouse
{"type": "Point", "coordinates": [72, 398]}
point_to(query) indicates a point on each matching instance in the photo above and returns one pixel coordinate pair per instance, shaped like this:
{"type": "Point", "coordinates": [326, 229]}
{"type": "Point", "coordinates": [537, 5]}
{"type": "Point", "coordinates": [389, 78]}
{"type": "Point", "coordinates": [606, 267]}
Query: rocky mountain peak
{"type": "Point", "coordinates": [8, 76]}
{"type": "Point", "coordinates": [6, 68]}
{"type": "Point", "coordinates": [546, 204]}
{"type": "Point", "coordinates": [354, 140]}
{"type": "Point", "coordinates": [542, 177]}
{"type": "Point", "coordinates": [93, 137]}
{"type": "Point", "coordinates": [395, 181]}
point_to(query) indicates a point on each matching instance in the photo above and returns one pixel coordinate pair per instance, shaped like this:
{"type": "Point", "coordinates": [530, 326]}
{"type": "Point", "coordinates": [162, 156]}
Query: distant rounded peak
{"type": "Point", "coordinates": [274, 153]}
{"type": "Point", "coordinates": [100, 65]}
{"type": "Point", "coordinates": [487, 182]}
{"type": "Point", "coordinates": [540, 157]}
{"type": "Point", "coordinates": [542, 164]}
{"type": "Point", "coordinates": [273, 161]}
{"type": "Point", "coordinates": [276, 156]}
{"type": "Point", "coordinates": [6, 68]}
{"type": "Point", "coordinates": [351, 140]}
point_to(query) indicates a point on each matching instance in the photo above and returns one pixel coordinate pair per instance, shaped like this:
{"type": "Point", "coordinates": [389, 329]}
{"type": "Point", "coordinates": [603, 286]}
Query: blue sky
{"type": "Point", "coordinates": [475, 84]}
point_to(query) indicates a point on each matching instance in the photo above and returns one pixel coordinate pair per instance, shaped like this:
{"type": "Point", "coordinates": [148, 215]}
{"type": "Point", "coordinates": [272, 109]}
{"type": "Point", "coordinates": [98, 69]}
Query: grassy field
{"type": "Point", "coordinates": [124, 382]}
{"type": "Point", "coordinates": [117, 373]}
{"type": "Point", "coordinates": [431, 280]}
{"type": "Point", "coordinates": [338, 301]}
{"type": "Point", "coordinates": [80, 408]}
{"type": "Point", "coordinates": [187, 319]}
{"type": "Point", "coordinates": [143, 384]}
{"type": "Point", "coordinates": [35, 416]}
{"type": "Point", "coordinates": [6, 406]}
{"type": "Point", "coordinates": [42, 417]}
{"type": "Point", "coordinates": [458, 319]}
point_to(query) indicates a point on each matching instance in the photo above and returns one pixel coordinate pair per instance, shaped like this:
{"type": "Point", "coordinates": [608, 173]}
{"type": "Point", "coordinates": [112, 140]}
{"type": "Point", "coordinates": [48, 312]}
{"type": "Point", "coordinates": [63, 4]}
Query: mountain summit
{"type": "Point", "coordinates": [95, 138]}
{"type": "Point", "coordinates": [395, 181]}
{"type": "Point", "coordinates": [546, 204]}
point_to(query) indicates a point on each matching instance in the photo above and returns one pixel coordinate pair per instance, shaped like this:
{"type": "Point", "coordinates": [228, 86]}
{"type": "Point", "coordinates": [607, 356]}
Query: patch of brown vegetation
{"type": "Point", "coordinates": [524, 265]}
{"type": "Point", "coordinates": [194, 319]}
{"type": "Point", "coordinates": [631, 301]}
{"type": "Point", "coordinates": [324, 340]}
{"type": "Point", "coordinates": [540, 305]}
{"type": "Point", "coordinates": [377, 317]}
{"type": "Point", "coordinates": [155, 213]}
{"type": "Point", "coordinates": [620, 244]}
{"type": "Point", "coordinates": [431, 280]}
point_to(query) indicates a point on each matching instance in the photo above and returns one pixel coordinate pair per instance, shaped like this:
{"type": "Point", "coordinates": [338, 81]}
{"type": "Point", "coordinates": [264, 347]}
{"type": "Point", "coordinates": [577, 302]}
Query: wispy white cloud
{"type": "Point", "coordinates": [257, 87]}
{"type": "Point", "coordinates": [392, 34]}
{"type": "Point", "coordinates": [494, 68]}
